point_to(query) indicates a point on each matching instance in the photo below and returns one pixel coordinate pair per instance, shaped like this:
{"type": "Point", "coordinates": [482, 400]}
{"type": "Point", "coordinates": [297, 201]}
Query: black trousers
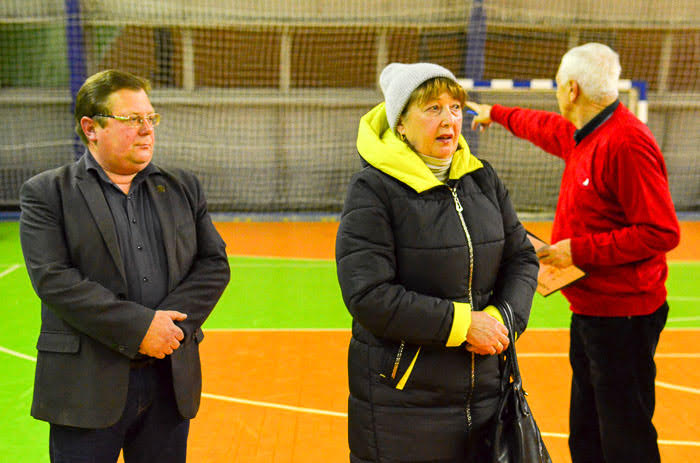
{"type": "Point", "coordinates": [149, 430]}
{"type": "Point", "coordinates": [612, 388]}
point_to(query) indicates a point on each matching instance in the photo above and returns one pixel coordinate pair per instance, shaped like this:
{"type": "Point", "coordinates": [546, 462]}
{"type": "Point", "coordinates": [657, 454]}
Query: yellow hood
{"type": "Point", "coordinates": [381, 148]}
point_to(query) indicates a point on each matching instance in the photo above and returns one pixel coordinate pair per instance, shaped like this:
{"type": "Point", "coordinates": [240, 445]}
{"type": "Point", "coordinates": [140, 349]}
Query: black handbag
{"type": "Point", "coordinates": [514, 436]}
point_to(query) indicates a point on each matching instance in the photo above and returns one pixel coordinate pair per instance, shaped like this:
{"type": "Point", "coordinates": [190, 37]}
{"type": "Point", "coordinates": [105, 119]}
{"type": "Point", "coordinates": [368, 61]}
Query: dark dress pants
{"type": "Point", "coordinates": [150, 428]}
{"type": "Point", "coordinates": [612, 388]}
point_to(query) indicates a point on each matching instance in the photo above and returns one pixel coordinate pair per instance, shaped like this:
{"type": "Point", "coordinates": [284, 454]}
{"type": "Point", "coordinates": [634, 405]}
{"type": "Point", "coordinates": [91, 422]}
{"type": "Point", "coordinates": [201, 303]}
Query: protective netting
{"type": "Point", "coordinates": [262, 99]}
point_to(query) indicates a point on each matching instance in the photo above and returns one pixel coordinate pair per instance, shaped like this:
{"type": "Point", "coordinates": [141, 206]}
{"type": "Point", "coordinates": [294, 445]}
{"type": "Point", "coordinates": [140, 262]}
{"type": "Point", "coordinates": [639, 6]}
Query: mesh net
{"type": "Point", "coordinates": [262, 99]}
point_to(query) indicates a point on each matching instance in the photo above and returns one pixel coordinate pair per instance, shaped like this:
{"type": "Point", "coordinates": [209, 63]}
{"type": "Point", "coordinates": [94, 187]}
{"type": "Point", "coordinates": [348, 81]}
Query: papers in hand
{"type": "Point", "coordinates": [550, 278]}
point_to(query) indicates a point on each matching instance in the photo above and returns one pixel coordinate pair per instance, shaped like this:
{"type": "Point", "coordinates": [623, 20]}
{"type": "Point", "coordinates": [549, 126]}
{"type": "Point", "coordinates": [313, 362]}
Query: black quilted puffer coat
{"type": "Point", "coordinates": [414, 257]}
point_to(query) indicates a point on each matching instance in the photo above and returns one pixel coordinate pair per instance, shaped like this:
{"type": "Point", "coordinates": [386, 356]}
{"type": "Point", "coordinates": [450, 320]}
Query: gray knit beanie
{"type": "Point", "coordinates": [399, 80]}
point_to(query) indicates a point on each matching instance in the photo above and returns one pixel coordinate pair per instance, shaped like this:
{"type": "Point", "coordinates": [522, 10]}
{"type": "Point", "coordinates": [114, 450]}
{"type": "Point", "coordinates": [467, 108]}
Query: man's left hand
{"type": "Point", "coordinates": [557, 255]}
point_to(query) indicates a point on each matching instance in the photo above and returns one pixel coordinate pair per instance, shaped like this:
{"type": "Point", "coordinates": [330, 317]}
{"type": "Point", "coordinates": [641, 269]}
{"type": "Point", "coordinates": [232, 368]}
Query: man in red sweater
{"type": "Point", "coordinates": [616, 221]}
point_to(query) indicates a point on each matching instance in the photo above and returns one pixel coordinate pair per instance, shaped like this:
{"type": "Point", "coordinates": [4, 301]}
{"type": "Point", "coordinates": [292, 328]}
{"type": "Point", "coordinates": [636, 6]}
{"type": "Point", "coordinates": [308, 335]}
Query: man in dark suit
{"type": "Point", "coordinates": [128, 265]}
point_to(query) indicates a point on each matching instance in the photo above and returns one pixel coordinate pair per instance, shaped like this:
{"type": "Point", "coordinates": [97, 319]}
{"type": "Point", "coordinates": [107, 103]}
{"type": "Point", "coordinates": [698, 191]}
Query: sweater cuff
{"type": "Point", "coordinates": [498, 113]}
{"type": "Point", "coordinates": [461, 320]}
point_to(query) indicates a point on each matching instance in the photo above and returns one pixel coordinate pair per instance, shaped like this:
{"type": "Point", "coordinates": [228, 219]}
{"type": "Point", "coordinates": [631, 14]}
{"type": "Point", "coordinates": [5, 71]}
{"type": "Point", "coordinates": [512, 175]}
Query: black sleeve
{"type": "Point", "coordinates": [366, 265]}
{"type": "Point", "coordinates": [204, 283]}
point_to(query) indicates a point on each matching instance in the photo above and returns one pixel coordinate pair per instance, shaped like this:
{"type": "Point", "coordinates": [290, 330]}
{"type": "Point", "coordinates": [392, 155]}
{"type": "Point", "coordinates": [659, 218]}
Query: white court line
{"type": "Point", "coordinates": [241, 257]}
{"type": "Point", "coordinates": [524, 354]}
{"type": "Point", "coordinates": [347, 330]}
{"type": "Point", "coordinates": [331, 330]}
{"type": "Point", "coordinates": [555, 434]}
{"type": "Point", "coordinates": [14, 353]}
{"type": "Point", "coordinates": [688, 443]}
{"type": "Point", "coordinates": [277, 330]}
{"type": "Point", "coordinates": [675, 387]}
{"type": "Point", "coordinates": [345, 415]}
{"type": "Point", "coordinates": [315, 411]}
{"type": "Point", "coordinates": [301, 264]}
{"type": "Point", "coordinates": [683, 298]}
{"type": "Point", "coordinates": [688, 355]}
{"type": "Point", "coordinates": [273, 405]}
{"type": "Point", "coordinates": [660, 441]}
{"type": "Point", "coordinates": [9, 270]}
{"type": "Point", "coordinates": [684, 319]}
{"type": "Point", "coordinates": [294, 330]}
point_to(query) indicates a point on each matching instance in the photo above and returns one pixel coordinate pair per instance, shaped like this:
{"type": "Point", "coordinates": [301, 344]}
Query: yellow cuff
{"type": "Point", "coordinates": [461, 320]}
{"type": "Point", "coordinates": [495, 313]}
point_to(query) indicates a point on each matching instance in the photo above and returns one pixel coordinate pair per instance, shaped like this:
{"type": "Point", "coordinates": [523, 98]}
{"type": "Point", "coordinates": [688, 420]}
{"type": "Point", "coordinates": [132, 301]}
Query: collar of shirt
{"type": "Point", "coordinates": [596, 122]}
{"type": "Point", "coordinates": [92, 165]}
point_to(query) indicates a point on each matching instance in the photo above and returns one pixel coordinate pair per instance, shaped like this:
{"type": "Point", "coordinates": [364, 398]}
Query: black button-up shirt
{"type": "Point", "coordinates": [139, 235]}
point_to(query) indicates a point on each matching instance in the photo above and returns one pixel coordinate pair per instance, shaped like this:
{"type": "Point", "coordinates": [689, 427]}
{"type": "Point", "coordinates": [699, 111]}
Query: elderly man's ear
{"type": "Point", "coordinates": [573, 91]}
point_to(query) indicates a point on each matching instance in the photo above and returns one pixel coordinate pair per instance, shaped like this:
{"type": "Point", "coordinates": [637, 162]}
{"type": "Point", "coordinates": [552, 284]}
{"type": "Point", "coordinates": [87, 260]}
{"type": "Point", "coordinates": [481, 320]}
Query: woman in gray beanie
{"type": "Point", "coordinates": [429, 253]}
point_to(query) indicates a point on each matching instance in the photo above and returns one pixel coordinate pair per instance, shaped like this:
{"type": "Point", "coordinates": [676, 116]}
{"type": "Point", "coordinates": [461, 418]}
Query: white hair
{"type": "Point", "coordinates": [596, 69]}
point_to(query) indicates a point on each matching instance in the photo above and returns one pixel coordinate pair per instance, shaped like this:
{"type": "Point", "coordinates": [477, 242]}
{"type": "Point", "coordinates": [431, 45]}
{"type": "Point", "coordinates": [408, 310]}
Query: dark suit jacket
{"type": "Point", "coordinates": [89, 330]}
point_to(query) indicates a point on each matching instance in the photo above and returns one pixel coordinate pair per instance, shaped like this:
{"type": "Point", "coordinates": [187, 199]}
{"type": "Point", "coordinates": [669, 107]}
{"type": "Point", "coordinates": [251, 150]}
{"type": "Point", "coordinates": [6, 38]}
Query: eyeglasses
{"type": "Point", "coordinates": [136, 120]}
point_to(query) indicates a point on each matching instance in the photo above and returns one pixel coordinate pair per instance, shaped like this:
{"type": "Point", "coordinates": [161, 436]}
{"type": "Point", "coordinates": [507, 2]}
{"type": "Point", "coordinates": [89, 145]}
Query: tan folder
{"type": "Point", "coordinates": [550, 278]}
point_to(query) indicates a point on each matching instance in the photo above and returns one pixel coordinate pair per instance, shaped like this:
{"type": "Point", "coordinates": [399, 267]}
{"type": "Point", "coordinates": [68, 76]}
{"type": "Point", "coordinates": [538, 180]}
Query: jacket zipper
{"type": "Point", "coordinates": [472, 378]}
{"type": "Point", "coordinates": [398, 360]}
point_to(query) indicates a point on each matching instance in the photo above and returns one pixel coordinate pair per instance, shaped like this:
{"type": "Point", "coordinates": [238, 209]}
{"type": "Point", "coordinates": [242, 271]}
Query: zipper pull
{"type": "Point", "coordinates": [458, 205]}
{"type": "Point", "coordinates": [398, 360]}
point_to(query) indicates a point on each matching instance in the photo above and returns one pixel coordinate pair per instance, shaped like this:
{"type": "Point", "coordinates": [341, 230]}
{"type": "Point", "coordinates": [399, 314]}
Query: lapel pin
{"type": "Point", "coordinates": [160, 188]}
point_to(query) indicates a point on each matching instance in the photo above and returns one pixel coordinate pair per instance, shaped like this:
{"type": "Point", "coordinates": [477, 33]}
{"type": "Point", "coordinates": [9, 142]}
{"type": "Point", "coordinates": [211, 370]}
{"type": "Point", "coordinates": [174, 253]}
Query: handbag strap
{"type": "Point", "coordinates": [512, 369]}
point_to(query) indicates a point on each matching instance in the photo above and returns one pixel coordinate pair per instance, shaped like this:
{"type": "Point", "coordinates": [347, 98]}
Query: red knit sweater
{"type": "Point", "coordinates": [614, 204]}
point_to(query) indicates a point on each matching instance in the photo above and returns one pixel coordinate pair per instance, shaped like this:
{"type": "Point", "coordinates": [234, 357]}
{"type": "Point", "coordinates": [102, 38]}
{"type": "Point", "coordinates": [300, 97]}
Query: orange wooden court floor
{"type": "Point", "coordinates": [307, 372]}
{"type": "Point", "coordinates": [249, 375]}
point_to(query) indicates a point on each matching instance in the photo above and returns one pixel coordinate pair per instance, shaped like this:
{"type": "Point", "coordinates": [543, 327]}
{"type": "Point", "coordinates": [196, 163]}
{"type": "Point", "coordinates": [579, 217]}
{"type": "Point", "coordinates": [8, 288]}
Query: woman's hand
{"type": "Point", "coordinates": [486, 335]}
{"type": "Point", "coordinates": [482, 119]}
